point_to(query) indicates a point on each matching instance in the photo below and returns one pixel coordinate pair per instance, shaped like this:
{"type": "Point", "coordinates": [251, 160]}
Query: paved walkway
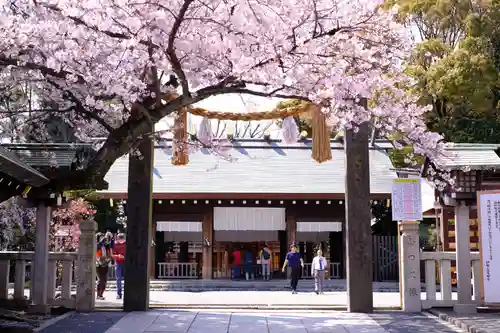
{"type": "Point", "coordinates": [476, 323]}
{"type": "Point", "coordinates": [197, 321]}
{"type": "Point", "coordinates": [252, 298]}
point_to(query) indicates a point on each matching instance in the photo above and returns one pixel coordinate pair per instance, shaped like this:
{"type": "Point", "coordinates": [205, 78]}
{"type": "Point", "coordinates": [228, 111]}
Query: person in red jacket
{"type": "Point", "coordinates": [119, 256]}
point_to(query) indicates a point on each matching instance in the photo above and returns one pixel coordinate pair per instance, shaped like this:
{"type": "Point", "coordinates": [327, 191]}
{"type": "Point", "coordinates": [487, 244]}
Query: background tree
{"type": "Point", "coordinates": [456, 65]}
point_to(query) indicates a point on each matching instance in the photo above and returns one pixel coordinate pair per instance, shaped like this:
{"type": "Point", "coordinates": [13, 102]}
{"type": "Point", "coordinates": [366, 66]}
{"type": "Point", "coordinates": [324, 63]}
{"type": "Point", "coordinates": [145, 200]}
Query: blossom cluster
{"type": "Point", "coordinates": [98, 60]}
{"type": "Point", "coordinates": [18, 221]}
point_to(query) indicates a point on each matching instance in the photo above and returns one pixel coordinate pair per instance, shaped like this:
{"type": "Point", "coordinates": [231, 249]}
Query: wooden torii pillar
{"type": "Point", "coordinates": [139, 227]}
{"type": "Point", "coordinates": [358, 221]}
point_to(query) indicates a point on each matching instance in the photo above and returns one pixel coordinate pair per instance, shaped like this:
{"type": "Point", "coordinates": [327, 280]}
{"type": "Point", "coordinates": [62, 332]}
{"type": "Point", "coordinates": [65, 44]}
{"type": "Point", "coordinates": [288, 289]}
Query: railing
{"type": "Point", "coordinates": [185, 270]}
{"type": "Point", "coordinates": [442, 261]}
{"type": "Point", "coordinates": [333, 273]}
{"type": "Point", "coordinates": [60, 272]}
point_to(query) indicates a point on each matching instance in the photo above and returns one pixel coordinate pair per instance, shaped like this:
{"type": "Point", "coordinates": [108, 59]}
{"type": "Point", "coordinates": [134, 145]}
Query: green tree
{"type": "Point", "coordinates": [457, 65]}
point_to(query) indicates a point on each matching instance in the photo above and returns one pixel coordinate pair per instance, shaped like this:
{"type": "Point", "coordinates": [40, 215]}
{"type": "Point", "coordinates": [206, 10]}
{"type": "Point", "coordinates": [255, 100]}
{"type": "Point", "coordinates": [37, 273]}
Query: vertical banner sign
{"type": "Point", "coordinates": [406, 199]}
{"type": "Point", "coordinates": [489, 228]}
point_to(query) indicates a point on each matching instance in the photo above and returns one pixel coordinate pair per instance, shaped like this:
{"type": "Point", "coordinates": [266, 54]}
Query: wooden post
{"type": "Point", "coordinates": [152, 255]}
{"type": "Point", "coordinates": [139, 224]}
{"type": "Point", "coordinates": [358, 225]}
{"type": "Point", "coordinates": [208, 231]}
{"type": "Point", "coordinates": [291, 234]}
{"type": "Point", "coordinates": [220, 251]}
{"type": "Point", "coordinates": [4, 280]}
{"type": "Point", "coordinates": [41, 260]}
{"type": "Point", "coordinates": [291, 229]}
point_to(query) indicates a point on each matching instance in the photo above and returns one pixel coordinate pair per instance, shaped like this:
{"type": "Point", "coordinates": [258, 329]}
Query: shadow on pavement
{"type": "Point", "coordinates": [95, 322]}
{"type": "Point", "coordinates": [400, 322]}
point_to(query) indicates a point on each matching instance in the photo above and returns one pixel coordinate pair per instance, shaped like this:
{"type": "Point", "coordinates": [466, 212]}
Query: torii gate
{"type": "Point", "coordinates": [357, 197]}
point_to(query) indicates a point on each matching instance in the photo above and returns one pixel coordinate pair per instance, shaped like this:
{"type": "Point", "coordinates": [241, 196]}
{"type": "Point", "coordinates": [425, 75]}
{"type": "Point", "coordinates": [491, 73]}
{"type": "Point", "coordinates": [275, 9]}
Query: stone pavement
{"type": "Point", "coordinates": [210, 321]}
{"type": "Point", "coordinates": [94, 322]}
{"type": "Point", "coordinates": [473, 323]}
{"type": "Point", "coordinates": [238, 299]}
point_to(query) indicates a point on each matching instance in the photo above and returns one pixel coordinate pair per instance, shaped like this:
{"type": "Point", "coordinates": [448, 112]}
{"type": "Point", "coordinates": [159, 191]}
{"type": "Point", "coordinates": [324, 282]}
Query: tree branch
{"type": "Point", "coordinates": [174, 60]}
{"type": "Point", "coordinates": [78, 21]}
{"type": "Point", "coordinates": [79, 108]}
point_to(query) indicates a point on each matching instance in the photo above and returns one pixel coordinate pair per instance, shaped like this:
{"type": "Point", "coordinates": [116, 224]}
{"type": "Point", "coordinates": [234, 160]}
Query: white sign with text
{"type": "Point", "coordinates": [406, 199]}
{"type": "Point", "coordinates": [489, 217]}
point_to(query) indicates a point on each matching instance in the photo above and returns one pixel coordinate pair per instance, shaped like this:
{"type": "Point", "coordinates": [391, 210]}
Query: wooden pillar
{"type": "Point", "coordinates": [220, 251]}
{"type": "Point", "coordinates": [139, 225]}
{"type": "Point", "coordinates": [208, 232]}
{"type": "Point", "coordinates": [282, 236]}
{"type": "Point", "coordinates": [291, 229]}
{"type": "Point", "coordinates": [309, 252]}
{"type": "Point", "coordinates": [337, 251]}
{"type": "Point", "coordinates": [446, 214]}
{"type": "Point", "coordinates": [358, 225]}
{"type": "Point", "coordinates": [152, 255]}
{"type": "Point", "coordinates": [160, 250]}
{"type": "Point", "coordinates": [41, 260]}
{"type": "Point", "coordinates": [226, 264]}
{"type": "Point", "coordinates": [291, 233]}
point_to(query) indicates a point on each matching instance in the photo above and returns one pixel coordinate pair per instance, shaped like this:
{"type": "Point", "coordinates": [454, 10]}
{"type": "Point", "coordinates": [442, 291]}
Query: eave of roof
{"type": "Point", "coordinates": [470, 156]}
{"type": "Point", "coordinates": [13, 166]}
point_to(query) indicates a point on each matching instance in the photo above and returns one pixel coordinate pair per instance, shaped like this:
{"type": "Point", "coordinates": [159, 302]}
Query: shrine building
{"type": "Point", "coordinates": [270, 193]}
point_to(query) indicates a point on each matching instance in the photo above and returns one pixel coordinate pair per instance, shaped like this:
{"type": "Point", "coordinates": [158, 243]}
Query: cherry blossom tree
{"type": "Point", "coordinates": [65, 226]}
{"type": "Point", "coordinates": [17, 225]}
{"type": "Point", "coordinates": [111, 68]}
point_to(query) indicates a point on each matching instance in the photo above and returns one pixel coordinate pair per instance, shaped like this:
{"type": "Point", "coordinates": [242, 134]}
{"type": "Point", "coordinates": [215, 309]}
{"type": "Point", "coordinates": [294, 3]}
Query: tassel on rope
{"type": "Point", "coordinates": [204, 133]}
{"type": "Point", "coordinates": [321, 149]}
{"type": "Point", "coordinates": [290, 131]}
{"type": "Point", "coordinates": [180, 155]}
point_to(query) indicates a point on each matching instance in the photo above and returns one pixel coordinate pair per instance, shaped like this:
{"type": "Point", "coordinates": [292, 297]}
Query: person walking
{"type": "Point", "coordinates": [318, 267]}
{"type": "Point", "coordinates": [295, 262]}
{"type": "Point", "coordinates": [104, 256]}
{"type": "Point", "coordinates": [265, 260]}
{"type": "Point", "coordinates": [119, 257]}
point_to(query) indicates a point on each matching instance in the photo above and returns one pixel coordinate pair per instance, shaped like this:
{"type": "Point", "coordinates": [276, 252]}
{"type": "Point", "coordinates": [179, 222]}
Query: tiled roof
{"type": "Point", "coordinates": [12, 165]}
{"type": "Point", "coordinates": [41, 155]}
{"type": "Point", "coordinates": [473, 156]}
{"type": "Point", "coordinates": [261, 167]}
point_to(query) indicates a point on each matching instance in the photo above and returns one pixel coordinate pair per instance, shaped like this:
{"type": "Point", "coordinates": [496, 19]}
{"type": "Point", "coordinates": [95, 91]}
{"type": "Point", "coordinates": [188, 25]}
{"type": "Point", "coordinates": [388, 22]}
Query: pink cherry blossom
{"type": "Point", "coordinates": [96, 60]}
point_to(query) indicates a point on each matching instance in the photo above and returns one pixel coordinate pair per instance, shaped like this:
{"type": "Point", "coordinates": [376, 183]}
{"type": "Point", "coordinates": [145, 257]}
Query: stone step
{"type": "Point", "coordinates": [227, 285]}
